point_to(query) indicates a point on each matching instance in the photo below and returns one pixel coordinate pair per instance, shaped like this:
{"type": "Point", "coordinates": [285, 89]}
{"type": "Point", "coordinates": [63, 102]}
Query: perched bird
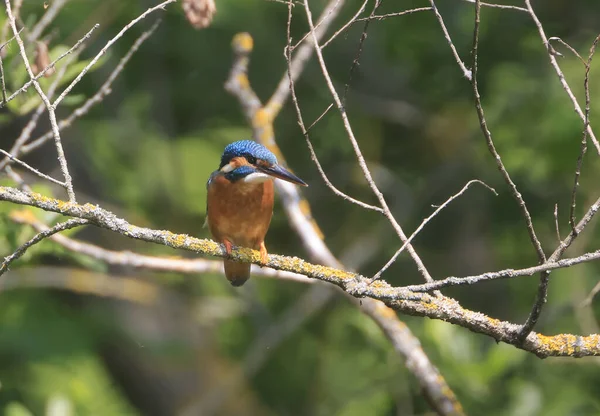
{"type": "Point", "coordinates": [240, 201]}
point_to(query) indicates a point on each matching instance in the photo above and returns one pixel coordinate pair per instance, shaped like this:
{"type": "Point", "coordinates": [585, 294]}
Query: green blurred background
{"type": "Point", "coordinates": [145, 153]}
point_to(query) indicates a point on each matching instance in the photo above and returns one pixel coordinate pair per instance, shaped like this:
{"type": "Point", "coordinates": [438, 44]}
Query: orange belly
{"type": "Point", "coordinates": [239, 212]}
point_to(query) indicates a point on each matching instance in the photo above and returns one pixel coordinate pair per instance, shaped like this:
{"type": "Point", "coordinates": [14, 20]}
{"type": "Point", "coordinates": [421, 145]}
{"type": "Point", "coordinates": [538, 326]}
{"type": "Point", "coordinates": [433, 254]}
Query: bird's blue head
{"type": "Point", "coordinates": [251, 162]}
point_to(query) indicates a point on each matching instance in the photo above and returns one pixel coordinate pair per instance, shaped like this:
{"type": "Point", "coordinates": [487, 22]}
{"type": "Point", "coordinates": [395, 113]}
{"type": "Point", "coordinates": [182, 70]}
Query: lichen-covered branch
{"type": "Point", "coordinates": [400, 299]}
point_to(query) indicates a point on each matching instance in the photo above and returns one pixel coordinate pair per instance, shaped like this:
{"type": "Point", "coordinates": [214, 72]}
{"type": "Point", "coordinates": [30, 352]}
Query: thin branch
{"type": "Point", "coordinates": [361, 161]}
{"type": "Point", "coordinates": [492, 148]}
{"type": "Point", "coordinates": [309, 144]}
{"type": "Point", "coordinates": [350, 22]}
{"type": "Point", "coordinates": [544, 279]}
{"type": "Point", "coordinates": [52, 64]}
{"type": "Point", "coordinates": [566, 45]}
{"type": "Point", "coordinates": [424, 223]}
{"type": "Point", "coordinates": [558, 238]}
{"type": "Point", "coordinates": [16, 178]}
{"type": "Point", "coordinates": [51, 114]}
{"type": "Point", "coordinates": [128, 26]}
{"type": "Point", "coordinates": [16, 149]}
{"type": "Point", "coordinates": [590, 298]}
{"type": "Point", "coordinates": [504, 274]}
{"type": "Point", "coordinates": [561, 76]}
{"type": "Point", "coordinates": [32, 169]}
{"type": "Point", "coordinates": [584, 134]}
{"type": "Point", "coordinates": [361, 42]}
{"type": "Point", "coordinates": [72, 223]}
{"type": "Point", "coordinates": [98, 97]}
{"type": "Point", "coordinates": [499, 6]}
{"type": "Point", "coordinates": [389, 15]}
{"type": "Point", "coordinates": [466, 72]}
{"type": "Point", "coordinates": [301, 57]}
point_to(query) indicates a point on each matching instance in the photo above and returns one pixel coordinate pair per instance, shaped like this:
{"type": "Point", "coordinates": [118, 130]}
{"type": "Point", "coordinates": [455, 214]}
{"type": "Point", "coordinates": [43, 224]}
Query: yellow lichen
{"type": "Point", "coordinates": [262, 119]}
{"type": "Point", "coordinates": [243, 42]}
{"type": "Point", "coordinates": [242, 80]}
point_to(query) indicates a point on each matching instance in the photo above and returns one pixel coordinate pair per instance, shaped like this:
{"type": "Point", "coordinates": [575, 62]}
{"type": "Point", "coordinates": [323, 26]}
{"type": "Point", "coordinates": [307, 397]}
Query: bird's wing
{"type": "Point", "coordinates": [210, 179]}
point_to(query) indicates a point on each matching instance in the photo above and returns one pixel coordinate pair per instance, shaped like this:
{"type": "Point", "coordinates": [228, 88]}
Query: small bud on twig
{"type": "Point", "coordinates": [199, 12]}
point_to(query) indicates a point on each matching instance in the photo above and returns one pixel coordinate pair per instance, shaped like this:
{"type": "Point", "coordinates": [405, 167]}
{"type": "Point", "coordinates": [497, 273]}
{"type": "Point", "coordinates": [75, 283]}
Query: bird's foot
{"type": "Point", "coordinates": [264, 256]}
{"type": "Point", "coordinates": [228, 247]}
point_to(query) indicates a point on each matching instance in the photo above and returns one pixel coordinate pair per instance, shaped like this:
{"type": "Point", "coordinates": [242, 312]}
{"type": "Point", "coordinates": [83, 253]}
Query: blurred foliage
{"type": "Point", "coordinates": [147, 150]}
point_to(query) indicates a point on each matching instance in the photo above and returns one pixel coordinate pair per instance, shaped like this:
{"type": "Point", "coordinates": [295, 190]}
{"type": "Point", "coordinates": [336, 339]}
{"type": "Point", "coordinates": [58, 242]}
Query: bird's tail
{"type": "Point", "coordinates": [236, 273]}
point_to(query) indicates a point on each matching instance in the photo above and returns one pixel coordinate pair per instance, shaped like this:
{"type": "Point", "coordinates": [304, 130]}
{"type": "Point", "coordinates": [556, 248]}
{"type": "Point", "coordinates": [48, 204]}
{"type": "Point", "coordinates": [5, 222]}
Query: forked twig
{"type": "Point", "coordinates": [584, 134]}
{"type": "Point", "coordinates": [424, 223]}
{"type": "Point", "coordinates": [51, 114]}
{"type": "Point", "coordinates": [361, 160]}
{"type": "Point", "coordinates": [72, 223]}
{"type": "Point", "coordinates": [466, 72]}
{"type": "Point", "coordinates": [32, 169]}
{"type": "Point", "coordinates": [128, 26]}
{"type": "Point", "coordinates": [97, 98]}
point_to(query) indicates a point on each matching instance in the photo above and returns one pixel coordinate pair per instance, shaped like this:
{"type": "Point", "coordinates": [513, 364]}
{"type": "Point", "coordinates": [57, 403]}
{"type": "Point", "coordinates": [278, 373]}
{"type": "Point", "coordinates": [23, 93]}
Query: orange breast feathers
{"type": "Point", "coordinates": [239, 212]}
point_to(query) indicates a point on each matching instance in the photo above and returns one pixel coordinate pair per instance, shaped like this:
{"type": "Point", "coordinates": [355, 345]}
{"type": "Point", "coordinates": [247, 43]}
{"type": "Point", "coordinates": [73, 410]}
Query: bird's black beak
{"type": "Point", "coordinates": [278, 172]}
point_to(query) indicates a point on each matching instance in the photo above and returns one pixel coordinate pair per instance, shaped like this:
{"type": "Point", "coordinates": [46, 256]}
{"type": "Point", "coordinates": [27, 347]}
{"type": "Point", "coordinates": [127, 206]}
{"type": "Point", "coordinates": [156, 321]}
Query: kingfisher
{"type": "Point", "coordinates": [239, 202]}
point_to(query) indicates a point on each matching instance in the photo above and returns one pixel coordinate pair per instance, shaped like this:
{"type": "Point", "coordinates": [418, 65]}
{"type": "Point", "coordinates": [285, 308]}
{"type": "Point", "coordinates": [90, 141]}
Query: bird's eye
{"type": "Point", "coordinates": [251, 159]}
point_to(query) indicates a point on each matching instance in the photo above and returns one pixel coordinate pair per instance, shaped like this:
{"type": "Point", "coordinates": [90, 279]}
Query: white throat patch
{"type": "Point", "coordinates": [256, 177]}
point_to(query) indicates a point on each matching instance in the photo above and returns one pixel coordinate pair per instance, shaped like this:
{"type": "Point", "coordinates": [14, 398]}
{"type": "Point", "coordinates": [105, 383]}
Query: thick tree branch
{"type": "Point", "coordinates": [401, 299]}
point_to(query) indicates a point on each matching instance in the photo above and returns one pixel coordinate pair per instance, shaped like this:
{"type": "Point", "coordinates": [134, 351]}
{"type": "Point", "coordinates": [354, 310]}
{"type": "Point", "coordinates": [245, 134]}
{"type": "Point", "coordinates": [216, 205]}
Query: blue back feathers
{"type": "Point", "coordinates": [248, 149]}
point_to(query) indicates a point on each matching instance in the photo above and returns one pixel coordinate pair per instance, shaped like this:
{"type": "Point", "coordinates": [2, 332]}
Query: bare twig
{"type": "Point", "coordinates": [389, 15]}
{"type": "Point", "coordinates": [558, 239]}
{"type": "Point", "coordinates": [51, 114]}
{"type": "Point", "coordinates": [505, 274]}
{"type": "Point", "coordinates": [52, 64]}
{"type": "Point", "coordinates": [490, 143]}
{"type": "Point", "coordinates": [98, 97]}
{"type": "Point", "coordinates": [499, 6]}
{"type": "Point", "coordinates": [361, 161]}
{"type": "Point", "coordinates": [352, 20]}
{"type": "Point", "coordinates": [566, 45]}
{"type": "Point", "coordinates": [361, 43]}
{"type": "Point", "coordinates": [128, 26]}
{"type": "Point", "coordinates": [17, 179]}
{"type": "Point", "coordinates": [32, 169]}
{"type": "Point", "coordinates": [590, 298]}
{"type": "Point", "coordinates": [424, 223]}
{"type": "Point", "coordinates": [584, 134]}
{"type": "Point", "coordinates": [466, 72]}
{"type": "Point", "coordinates": [335, 4]}
{"type": "Point", "coordinates": [311, 149]}
{"type": "Point", "coordinates": [16, 149]}
{"type": "Point", "coordinates": [561, 76]}
{"type": "Point", "coordinates": [544, 279]}
{"type": "Point", "coordinates": [2, 79]}
{"type": "Point", "coordinates": [301, 57]}
{"type": "Point", "coordinates": [72, 223]}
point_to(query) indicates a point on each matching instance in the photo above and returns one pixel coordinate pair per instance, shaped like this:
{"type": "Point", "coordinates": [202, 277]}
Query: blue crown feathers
{"type": "Point", "coordinates": [248, 149]}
